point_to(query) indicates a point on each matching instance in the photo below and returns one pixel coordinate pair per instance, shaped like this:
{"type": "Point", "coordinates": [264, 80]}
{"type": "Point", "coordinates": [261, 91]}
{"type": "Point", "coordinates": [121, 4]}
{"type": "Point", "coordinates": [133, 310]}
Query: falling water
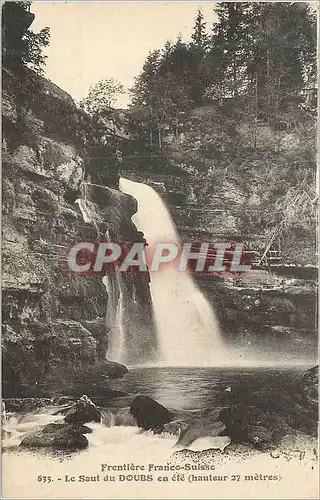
{"type": "Point", "coordinates": [187, 328]}
{"type": "Point", "coordinates": [114, 316]}
{"type": "Point", "coordinates": [130, 322]}
{"type": "Point", "coordinates": [113, 285]}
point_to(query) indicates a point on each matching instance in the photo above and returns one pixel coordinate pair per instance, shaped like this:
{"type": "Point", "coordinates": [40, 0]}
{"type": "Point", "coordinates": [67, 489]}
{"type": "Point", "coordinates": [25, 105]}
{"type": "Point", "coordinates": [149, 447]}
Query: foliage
{"type": "Point", "coordinates": [235, 109]}
{"type": "Point", "coordinates": [22, 47]}
{"type": "Point", "coordinates": [199, 36]}
{"type": "Point", "coordinates": [261, 54]}
{"type": "Point", "coordinates": [101, 97]}
{"type": "Point", "coordinates": [34, 57]}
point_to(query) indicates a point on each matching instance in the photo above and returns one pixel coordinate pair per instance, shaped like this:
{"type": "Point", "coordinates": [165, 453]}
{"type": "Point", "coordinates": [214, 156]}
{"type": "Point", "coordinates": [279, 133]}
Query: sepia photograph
{"type": "Point", "coordinates": [159, 249]}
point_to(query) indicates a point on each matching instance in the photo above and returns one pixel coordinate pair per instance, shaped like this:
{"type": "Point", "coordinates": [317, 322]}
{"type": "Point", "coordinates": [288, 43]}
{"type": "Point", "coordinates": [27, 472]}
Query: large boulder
{"type": "Point", "coordinates": [55, 427]}
{"type": "Point", "coordinates": [266, 415]}
{"type": "Point", "coordinates": [107, 369]}
{"type": "Point", "coordinates": [149, 414]}
{"type": "Point", "coordinates": [249, 424]}
{"type": "Point", "coordinates": [63, 438]}
{"type": "Point", "coordinates": [84, 411]}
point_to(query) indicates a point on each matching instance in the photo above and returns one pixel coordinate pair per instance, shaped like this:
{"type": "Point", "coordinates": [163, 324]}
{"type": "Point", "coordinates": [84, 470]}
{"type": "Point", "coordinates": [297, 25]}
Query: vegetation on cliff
{"type": "Point", "coordinates": [234, 109]}
{"type": "Point", "coordinates": [21, 46]}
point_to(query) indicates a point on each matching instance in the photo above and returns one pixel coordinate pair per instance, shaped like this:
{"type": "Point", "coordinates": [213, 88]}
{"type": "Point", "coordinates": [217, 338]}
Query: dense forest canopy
{"type": "Point", "coordinates": [260, 55]}
{"type": "Point", "coordinates": [235, 107]}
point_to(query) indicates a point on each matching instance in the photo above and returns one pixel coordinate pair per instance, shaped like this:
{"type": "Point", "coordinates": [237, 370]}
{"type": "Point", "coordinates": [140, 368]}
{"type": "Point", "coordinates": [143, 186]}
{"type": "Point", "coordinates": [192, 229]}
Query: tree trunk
{"type": "Point", "coordinates": [268, 87]}
{"type": "Point", "coordinates": [159, 138]}
{"type": "Point", "coordinates": [256, 114]}
{"type": "Point", "coordinates": [235, 83]}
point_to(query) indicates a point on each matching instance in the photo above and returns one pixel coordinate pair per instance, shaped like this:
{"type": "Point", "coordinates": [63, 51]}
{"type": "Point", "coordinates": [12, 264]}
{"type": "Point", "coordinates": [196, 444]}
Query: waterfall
{"type": "Point", "coordinates": [129, 312]}
{"type": "Point", "coordinates": [114, 315]}
{"type": "Point", "coordinates": [113, 285]}
{"type": "Point", "coordinates": [187, 329]}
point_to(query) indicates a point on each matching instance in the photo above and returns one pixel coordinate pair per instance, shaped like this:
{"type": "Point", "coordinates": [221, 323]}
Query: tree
{"type": "Point", "coordinates": [253, 70]}
{"type": "Point", "coordinates": [199, 36]}
{"type": "Point", "coordinates": [102, 97]}
{"type": "Point", "coordinates": [34, 57]}
{"type": "Point", "coordinates": [230, 49]}
{"type": "Point", "coordinates": [266, 50]}
{"type": "Point", "coordinates": [283, 54]}
{"type": "Point", "coordinates": [161, 92]}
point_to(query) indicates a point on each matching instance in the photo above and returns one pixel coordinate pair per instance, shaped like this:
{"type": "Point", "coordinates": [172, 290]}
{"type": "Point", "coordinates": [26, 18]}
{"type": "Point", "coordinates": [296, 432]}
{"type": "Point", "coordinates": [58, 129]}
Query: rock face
{"type": "Point", "coordinates": [149, 414]}
{"type": "Point", "coordinates": [54, 321]}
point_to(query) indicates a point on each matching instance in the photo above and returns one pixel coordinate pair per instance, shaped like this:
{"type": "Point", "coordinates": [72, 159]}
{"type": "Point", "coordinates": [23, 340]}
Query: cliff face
{"type": "Point", "coordinates": [60, 187]}
{"type": "Point", "coordinates": [270, 305]}
{"type": "Point", "coordinates": [54, 322]}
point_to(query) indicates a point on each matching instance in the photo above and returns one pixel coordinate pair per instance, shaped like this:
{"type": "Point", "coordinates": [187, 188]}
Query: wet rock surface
{"type": "Point", "coordinates": [84, 411]}
{"type": "Point", "coordinates": [149, 414]}
{"type": "Point", "coordinates": [264, 417]}
{"type": "Point", "coordinates": [55, 427]}
{"type": "Point", "coordinates": [68, 434]}
{"type": "Point", "coordinates": [67, 438]}
{"type": "Point", "coordinates": [198, 429]}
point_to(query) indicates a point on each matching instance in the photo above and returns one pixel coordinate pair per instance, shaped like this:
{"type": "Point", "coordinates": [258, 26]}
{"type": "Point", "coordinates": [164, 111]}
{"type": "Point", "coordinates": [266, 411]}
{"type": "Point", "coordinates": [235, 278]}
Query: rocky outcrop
{"type": "Point", "coordinates": [64, 437]}
{"type": "Point", "coordinates": [264, 416]}
{"type": "Point", "coordinates": [52, 428]}
{"type": "Point", "coordinates": [149, 414]}
{"type": "Point", "coordinates": [54, 321]}
{"type": "Point", "coordinates": [67, 435]}
{"type": "Point", "coordinates": [84, 411]}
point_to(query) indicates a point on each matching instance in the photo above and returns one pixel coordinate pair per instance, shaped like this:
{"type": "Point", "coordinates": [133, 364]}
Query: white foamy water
{"type": "Point", "coordinates": [80, 475]}
{"type": "Point", "coordinates": [187, 329]}
{"type": "Point", "coordinates": [115, 446]}
{"type": "Point", "coordinates": [18, 425]}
